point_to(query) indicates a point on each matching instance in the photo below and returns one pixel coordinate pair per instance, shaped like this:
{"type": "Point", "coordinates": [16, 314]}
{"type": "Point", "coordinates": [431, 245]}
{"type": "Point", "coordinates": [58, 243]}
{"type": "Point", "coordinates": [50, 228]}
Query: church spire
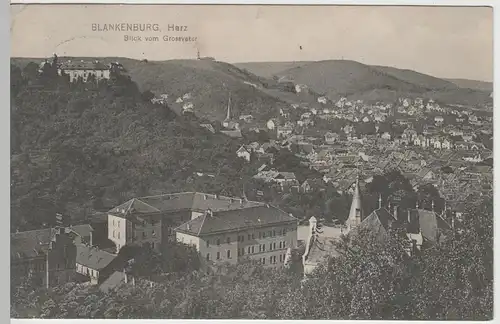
{"type": "Point", "coordinates": [355, 212]}
{"type": "Point", "coordinates": [228, 116]}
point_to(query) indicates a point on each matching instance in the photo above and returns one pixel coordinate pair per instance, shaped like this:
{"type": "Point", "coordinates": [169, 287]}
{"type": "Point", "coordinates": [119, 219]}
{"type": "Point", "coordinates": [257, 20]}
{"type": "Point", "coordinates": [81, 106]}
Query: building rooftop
{"type": "Point", "coordinates": [83, 230]}
{"type": "Point", "coordinates": [428, 222]}
{"type": "Point", "coordinates": [193, 201]}
{"type": "Point", "coordinates": [233, 220]}
{"type": "Point", "coordinates": [84, 65]}
{"type": "Point", "coordinates": [92, 257]}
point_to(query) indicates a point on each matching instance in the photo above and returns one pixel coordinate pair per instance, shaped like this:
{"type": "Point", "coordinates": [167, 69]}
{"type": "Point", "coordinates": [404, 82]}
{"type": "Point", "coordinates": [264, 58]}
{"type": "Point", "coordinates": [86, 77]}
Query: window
{"type": "Point", "coordinates": [260, 234]}
{"type": "Point", "coordinates": [270, 233]}
{"type": "Point", "coordinates": [260, 247]}
{"type": "Point", "coordinates": [274, 233]}
{"type": "Point", "coordinates": [253, 236]}
{"type": "Point", "coordinates": [118, 223]}
{"type": "Point", "coordinates": [113, 233]}
{"type": "Point", "coordinates": [249, 250]}
{"type": "Point", "coordinates": [208, 256]}
{"type": "Point", "coordinates": [263, 260]}
{"type": "Point", "coordinates": [281, 243]}
{"type": "Point", "coordinates": [208, 243]}
{"type": "Point", "coordinates": [270, 260]}
{"type": "Point", "coordinates": [218, 241]}
{"type": "Point", "coordinates": [229, 254]}
{"type": "Point", "coordinates": [274, 259]}
{"type": "Point", "coordinates": [284, 231]}
{"type": "Point", "coordinates": [263, 234]}
{"type": "Point", "coordinates": [279, 232]}
{"type": "Point", "coordinates": [218, 255]}
{"type": "Point", "coordinates": [281, 258]}
{"type": "Point", "coordinates": [118, 234]}
{"type": "Point", "coordinates": [228, 240]}
{"type": "Point", "coordinates": [143, 234]}
{"type": "Point", "coordinates": [284, 244]}
{"type": "Point", "coordinates": [253, 249]}
{"type": "Point", "coordinates": [274, 246]}
{"type": "Point", "coordinates": [249, 237]}
{"type": "Point", "coordinates": [263, 248]}
{"type": "Point", "coordinates": [270, 246]}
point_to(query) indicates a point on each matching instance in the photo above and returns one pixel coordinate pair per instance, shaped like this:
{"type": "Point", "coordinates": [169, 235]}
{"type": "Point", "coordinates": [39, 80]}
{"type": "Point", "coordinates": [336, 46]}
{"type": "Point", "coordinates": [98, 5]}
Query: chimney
{"type": "Point", "coordinates": [209, 212]}
{"type": "Point", "coordinates": [125, 276]}
{"type": "Point", "coordinates": [90, 238]}
{"type": "Point", "coordinates": [204, 197]}
{"type": "Point", "coordinates": [409, 216]}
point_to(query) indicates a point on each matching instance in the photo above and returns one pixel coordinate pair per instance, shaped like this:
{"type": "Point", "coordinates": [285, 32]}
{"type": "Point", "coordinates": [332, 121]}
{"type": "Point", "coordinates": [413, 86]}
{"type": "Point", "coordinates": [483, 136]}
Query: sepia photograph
{"type": "Point", "coordinates": [269, 162]}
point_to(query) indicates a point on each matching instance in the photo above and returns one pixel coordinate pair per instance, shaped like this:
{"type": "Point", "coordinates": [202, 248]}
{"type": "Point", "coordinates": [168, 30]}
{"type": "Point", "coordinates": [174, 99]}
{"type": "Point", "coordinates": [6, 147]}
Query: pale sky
{"type": "Point", "coordinates": [448, 42]}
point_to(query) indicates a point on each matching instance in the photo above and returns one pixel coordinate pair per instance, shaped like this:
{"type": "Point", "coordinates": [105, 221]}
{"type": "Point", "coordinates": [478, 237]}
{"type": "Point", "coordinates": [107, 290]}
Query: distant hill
{"type": "Point", "coordinates": [209, 83]}
{"type": "Point", "coordinates": [351, 79]}
{"type": "Point", "coordinates": [253, 89]}
{"type": "Point", "coordinates": [422, 80]}
{"type": "Point", "coordinates": [356, 80]}
{"type": "Point", "coordinates": [269, 69]}
{"type": "Point", "coordinates": [473, 84]}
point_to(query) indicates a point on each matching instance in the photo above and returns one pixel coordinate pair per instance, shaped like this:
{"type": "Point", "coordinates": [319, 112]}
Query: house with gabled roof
{"type": "Point", "coordinates": [243, 153]}
{"type": "Point", "coordinates": [94, 263]}
{"type": "Point", "coordinates": [261, 233]}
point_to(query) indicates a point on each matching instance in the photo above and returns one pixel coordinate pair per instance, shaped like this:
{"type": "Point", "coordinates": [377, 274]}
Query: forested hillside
{"type": "Point", "coordinates": [77, 148]}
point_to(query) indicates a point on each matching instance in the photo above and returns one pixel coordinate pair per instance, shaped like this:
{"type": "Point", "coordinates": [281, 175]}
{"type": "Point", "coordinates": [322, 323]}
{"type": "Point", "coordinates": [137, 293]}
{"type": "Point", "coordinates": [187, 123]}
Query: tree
{"type": "Point", "coordinates": [428, 197]}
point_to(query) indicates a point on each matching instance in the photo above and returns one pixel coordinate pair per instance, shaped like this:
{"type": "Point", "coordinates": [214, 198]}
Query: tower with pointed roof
{"type": "Point", "coordinates": [356, 211]}
{"type": "Point", "coordinates": [226, 121]}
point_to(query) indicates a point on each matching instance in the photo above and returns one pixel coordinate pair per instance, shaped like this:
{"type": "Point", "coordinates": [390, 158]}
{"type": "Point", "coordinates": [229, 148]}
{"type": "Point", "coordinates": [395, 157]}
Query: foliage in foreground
{"type": "Point", "coordinates": [369, 280]}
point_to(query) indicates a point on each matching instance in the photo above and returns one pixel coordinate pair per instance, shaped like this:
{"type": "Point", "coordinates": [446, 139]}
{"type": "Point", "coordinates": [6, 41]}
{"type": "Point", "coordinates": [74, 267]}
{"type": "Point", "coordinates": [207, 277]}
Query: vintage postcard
{"type": "Point", "coordinates": [251, 162]}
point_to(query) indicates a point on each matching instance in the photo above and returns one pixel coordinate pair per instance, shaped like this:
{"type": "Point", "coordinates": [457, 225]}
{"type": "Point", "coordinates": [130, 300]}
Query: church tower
{"type": "Point", "coordinates": [355, 214]}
